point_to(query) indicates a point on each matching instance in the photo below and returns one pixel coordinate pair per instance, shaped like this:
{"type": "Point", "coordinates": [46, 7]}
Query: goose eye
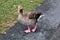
{"type": "Point", "coordinates": [21, 10]}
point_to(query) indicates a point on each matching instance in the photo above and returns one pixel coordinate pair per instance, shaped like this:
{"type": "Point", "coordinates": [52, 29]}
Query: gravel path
{"type": "Point", "coordinates": [47, 26]}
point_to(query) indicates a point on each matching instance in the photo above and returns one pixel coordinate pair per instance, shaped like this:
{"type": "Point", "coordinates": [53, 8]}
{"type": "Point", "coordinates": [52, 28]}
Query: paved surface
{"type": "Point", "coordinates": [48, 26]}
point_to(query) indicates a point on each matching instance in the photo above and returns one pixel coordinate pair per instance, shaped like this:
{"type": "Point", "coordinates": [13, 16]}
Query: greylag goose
{"type": "Point", "coordinates": [28, 19]}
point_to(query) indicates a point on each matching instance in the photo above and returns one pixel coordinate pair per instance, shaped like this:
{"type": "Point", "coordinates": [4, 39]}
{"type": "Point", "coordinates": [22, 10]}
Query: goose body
{"type": "Point", "coordinates": [28, 19]}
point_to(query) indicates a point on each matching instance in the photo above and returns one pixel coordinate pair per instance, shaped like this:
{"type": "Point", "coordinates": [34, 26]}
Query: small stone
{"type": "Point", "coordinates": [31, 1]}
{"type": "Point", "coordinates": [14, 5]}
{"type": "Point", "coordinates": [3, 32]}
{"type": "Point", "coordinates": [12, 34]}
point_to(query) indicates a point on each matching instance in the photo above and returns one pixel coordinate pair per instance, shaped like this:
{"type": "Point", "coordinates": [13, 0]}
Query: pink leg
{"type": "Point", "coordinates": [34, 29]}
{"type": "Point", "coordinates": [28, 30]}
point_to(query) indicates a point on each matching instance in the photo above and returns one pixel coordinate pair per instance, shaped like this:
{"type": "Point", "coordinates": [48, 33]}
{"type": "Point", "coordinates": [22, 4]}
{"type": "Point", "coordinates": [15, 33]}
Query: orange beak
{"type": "Point", "coordinates": [19, 8]}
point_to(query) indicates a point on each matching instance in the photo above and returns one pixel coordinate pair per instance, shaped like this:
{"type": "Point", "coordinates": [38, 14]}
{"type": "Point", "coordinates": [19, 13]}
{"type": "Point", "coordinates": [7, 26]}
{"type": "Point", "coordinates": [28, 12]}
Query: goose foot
{"type": "Point", "coordinates": [35, 28]}
{"type": "Point", "coordinates": [28, 30]}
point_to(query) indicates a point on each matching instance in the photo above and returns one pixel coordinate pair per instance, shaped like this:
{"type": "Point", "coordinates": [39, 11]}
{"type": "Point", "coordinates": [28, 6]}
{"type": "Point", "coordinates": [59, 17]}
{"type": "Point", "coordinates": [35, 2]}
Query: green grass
{"type": "Point", "coordinates": [8, 11]}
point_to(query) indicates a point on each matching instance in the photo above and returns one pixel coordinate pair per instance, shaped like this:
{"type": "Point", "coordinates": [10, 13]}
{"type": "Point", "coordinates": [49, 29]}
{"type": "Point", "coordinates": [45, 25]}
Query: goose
{"type": "Point", "coordinates": [29, 18]}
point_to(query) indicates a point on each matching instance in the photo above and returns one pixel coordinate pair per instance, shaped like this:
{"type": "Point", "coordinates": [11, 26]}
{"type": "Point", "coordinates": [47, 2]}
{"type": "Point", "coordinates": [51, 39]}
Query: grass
{"type": "Point", "coordinates": [8, 11]}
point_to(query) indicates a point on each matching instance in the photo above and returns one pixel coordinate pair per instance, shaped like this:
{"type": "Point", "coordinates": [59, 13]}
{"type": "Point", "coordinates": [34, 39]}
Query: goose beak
{"type": "Point", "coordinates": [19, 8]}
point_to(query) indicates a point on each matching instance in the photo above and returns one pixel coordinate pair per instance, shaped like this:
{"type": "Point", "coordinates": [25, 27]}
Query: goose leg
{"type": "Point", "coordinates": [34, 29]}
{"type": "Point", "coordinates": [28, 30]}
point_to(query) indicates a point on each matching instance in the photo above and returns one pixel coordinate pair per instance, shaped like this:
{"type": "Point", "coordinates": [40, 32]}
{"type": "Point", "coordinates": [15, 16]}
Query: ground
{"type": "Point", "coordinates": [48, 26]}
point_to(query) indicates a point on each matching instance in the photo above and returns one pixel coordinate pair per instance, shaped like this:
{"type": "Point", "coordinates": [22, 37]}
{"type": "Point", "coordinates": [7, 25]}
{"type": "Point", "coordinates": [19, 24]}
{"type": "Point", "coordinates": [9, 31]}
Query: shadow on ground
{"type": "Point", "coordinates": [48, 26]}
